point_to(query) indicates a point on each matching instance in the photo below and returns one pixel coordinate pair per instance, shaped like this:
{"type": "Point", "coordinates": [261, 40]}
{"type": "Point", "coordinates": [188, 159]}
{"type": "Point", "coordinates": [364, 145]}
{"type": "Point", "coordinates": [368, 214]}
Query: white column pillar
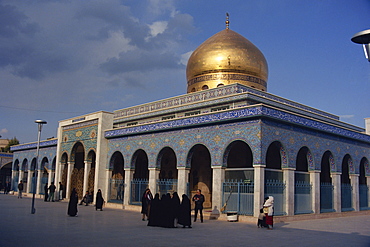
{"type": "Point", "coordinates": [315, 192]}
{"type": "Point", "coordinates": [337, 193]}
{"type": "Point", "coordinates": [288, 177]}
{"type": "Point", "coordinates": [39, 176]}
{"type": "Point", "coordinates": [259, 188]}
{"type": "Point", "coordinates": [69, 176]}
{"type": "Point", "coordinates": [355, 191]}
{"type": "Point", "coordinates": [51, 177]}
{"type": "Point", "coordinates": [153, 176]}
{"type": "Point", "coordinates": [182, 180]}
{"type": "Point", "coordinates": [29, 181]}
{"type": "Point", "coordinates": [87, 169]}
{"type": "Point", "coordinates": [218, 179]}
{"type": "Point", "coordinates": [129, 175]}
{"type": "Point", "coordinates": [368, 193]}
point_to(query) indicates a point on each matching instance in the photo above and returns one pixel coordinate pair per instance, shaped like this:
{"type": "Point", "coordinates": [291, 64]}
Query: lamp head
{"type": "Point", "coordinates": [40, 121]}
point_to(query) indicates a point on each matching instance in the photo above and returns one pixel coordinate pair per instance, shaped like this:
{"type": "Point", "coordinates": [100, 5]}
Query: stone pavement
{"type": "Point", "coordinates": [50, 226]}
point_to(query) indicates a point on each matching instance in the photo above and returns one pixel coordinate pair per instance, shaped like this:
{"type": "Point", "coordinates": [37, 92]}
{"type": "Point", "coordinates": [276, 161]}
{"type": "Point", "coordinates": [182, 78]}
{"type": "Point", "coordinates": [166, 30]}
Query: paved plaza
{"type": "Point", "coordinates": [50, 226]}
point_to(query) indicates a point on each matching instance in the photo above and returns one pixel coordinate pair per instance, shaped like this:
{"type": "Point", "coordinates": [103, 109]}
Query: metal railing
{"type": "Point", "coordinates": [138, 186]}
{"type": "Point", "coordinates": [276, 188]}
{"type": "Point", "coordinates": [326, 197]}
{"type": "Point", "coordinates": [302, 197]}
{"type": "Point", "coordinates": [239, 196]}
{"type": "Point", "coordinates": [346, 197]}
{"type": "Point", "coordinates": [116, 190]}
{"type": "Point", "coordinates": [165, 186]}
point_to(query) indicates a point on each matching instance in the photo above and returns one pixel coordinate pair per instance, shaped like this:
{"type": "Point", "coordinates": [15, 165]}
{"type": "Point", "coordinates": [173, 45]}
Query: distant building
{"type": "Point", "coordinates": [227, 136]}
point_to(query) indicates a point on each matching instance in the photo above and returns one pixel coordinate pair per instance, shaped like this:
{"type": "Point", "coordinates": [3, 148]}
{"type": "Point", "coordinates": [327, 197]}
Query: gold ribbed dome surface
{"type": "Point", "coordinates": [226, 58]}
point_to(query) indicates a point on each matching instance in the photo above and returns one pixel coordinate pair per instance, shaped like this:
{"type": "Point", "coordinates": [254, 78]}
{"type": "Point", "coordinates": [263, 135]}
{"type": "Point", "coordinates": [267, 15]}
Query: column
{"type": "Point", "coordinates": [129, 175]}
{"type": "Point", "coordinates": [29, 181]}
{"type": "Point", "coordinates": [87, 168]}
{"type": "Point", "coordinates": [259, 188]}
{"type": "Point", "coordinates": [337, 194]}
{"type": "Point", "coordinates": [217, 191]}
{"type": "Point", "coordinates": [355, 191]}
{"type": "Point", "coordinates": [315, 192]}
{"type": "Point", "coordinates": [288, 177]}
{"type": "Point", "coordinates": [51, 177]}
{"type": "Point", "coordinates": [19, 179]}
{"type": "Point", "coordinates": [368, 192]}
{"type": "Point", "coordinates": [182, 180]}
{"type": "Point", "coordinates": [69, 176]}
{"type": "Point", "coordinates": [39, 175]}
{"type": "Point", "coordinates": [153, 176]}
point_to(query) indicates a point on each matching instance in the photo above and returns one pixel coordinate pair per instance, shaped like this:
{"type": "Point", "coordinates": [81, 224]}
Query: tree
{"type": "Point", "coordinates": [12, 142]}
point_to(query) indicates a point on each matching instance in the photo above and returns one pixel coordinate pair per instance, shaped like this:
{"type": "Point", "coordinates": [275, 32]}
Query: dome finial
{"type": "Point", "coordinates": [227, 21]}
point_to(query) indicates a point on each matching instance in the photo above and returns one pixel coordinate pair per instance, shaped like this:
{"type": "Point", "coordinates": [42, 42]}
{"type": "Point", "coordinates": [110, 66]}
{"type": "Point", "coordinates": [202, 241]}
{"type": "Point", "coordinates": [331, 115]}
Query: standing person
{"type": "Point", "coordinates": [46, 195]}
{"type": "Point", "coordinates": [198, 198]}
{"type": "Point", "coordinates": [185, 212]}
{"type": "Point", "coordinates": [155, 211]}
{"type": "Point", "coordinates": [99, 201]}
{"type": "Point", "coordinates": [7, 187]}
{"type": "Point", "coordinates": [145, 203]}
{"type": "Point", "coordinates": [72, 205]}
{"type": "Point", "coordinates": [52, 189]}
{"type": "Point", "coordinates": [20, 189]}
{"type": "Point", "coordinates": [175, 208]}
{"type": "Point", "coordinates": [61, 188]}
{"type": "Point", "coordinates": [269, 205]}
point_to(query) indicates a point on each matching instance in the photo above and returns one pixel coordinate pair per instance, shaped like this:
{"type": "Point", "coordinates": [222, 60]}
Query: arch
{"type": "Point", "coordinates": [116, 165]}
{"type": "Point", "coordinates": [363, 187]}
{"type": "Point", "coordinates": [200, 174]}
{"type": "Point", "coordinates": [275, 156]}
{"type": "Point", "coordinates": [45, 164]}
{"type": "Point", "coordinates": [238, 159]}
{"type": "Point", "coordinates": [34, 165]}
{"type": "Point", "coordinates": [238, 154]}
{"type": "Point", "coordinates": [16, 165]}
{"type": "Point", "coordinates": [24, 165]}
{"type": "Point", "coordinates": [140, 162]}
{"type": "Point", "coordinates": [205, 87]}
{"type": "Point", "coordinates": [303, 159]}
{"type": "Point", "coordinates": [64, 169]}
{"type": "Point", "coordinates": [364, 164]}
{"type": "Point", "coordinates": [327, 161]}
{"type": "Point", "coordinates": [220, 85]}
{"type": "Point", "coordinates": [91, 159]}
{"type": "Point", "coordinates": [346, 163]}
{"type": "Point", "coordinates": [167, 162]}
{"type": "Point", "coordinates": [77, 177]}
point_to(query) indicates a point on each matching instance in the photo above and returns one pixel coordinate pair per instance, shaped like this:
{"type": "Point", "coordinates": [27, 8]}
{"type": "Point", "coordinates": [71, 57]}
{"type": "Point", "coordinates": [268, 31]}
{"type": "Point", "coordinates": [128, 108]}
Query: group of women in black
{"type": "Point", "coordinates": [168, 211]}
{"type": "Point", "coordinates": [73, 200]}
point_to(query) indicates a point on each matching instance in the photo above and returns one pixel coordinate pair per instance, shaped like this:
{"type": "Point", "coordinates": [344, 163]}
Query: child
{"type": "Point", "coordinates": [261, 219]}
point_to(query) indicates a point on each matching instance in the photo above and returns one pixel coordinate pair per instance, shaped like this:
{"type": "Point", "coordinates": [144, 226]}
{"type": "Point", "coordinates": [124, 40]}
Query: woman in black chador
{"type": "Point", "coordinates": [72, 205]}
{"type": "Point", "coordinates": [155, 211]}
{"type": "Point", "coordinates": [185, 212]}
{"type": "Point", "coordinates": [166, 219]}
{"type": "Point", "coordinates": [145, 203]}
{"type": "Point", "coordinates": [99, 201]}
{"type": "Point", "coordinates": [175, 207]}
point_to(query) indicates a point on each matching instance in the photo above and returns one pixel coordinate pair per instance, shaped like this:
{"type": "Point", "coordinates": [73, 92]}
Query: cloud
{"type": "Point", "coordinates": [346, 116]}
{"type": "Point", "coordinates": [3, 131]}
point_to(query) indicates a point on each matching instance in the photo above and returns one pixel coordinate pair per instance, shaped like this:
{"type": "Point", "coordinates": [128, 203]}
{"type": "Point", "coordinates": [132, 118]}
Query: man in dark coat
{"type": "Point", "coordinates": [52, 189]}
{"type": "Point", "coordinates": [72, 205]}
{"type": "Point", "coordinates": [198, 198]}
{"type": "Point", "coordinates": [185, 212]}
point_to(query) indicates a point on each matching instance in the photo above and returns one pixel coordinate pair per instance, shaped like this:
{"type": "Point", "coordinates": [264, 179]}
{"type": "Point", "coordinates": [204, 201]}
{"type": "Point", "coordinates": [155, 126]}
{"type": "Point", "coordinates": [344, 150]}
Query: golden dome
{"type": "Point", "coordinates": [226, 58]}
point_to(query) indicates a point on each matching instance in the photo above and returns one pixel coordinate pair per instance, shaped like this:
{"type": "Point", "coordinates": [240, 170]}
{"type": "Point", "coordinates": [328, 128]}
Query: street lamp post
{"type": "Point", "coordinates": [39, 123]}
{"type": "Point", "coordinates": [363, 38]}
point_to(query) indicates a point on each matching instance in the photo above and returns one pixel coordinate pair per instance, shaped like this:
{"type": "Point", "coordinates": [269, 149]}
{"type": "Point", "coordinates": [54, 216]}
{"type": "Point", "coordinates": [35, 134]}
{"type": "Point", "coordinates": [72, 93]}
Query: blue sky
{"type": "Point", "coordinates": [62, 59]}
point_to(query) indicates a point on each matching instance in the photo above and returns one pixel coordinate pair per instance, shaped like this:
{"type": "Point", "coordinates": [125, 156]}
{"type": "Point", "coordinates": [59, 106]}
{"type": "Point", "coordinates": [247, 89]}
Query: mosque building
{"type": "Point", "coordinates": [227, 136]}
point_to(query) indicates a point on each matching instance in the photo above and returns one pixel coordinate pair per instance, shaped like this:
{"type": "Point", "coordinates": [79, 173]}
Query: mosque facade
{"type": "Point", "coordinates": [227, 136]}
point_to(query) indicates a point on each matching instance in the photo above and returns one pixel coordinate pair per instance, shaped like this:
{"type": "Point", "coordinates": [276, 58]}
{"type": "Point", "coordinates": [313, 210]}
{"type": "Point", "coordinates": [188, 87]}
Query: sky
{"type": "Point", "coordinates": [63, 59]}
